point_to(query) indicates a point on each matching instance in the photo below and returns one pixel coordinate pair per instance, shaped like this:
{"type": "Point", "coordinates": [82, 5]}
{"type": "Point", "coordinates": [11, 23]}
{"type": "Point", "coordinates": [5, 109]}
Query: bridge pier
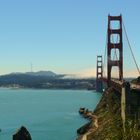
{"type": "Point", "coordinates": [99, 86]}
{"type": "Point", "coordinates": [123, 106]}
{"type": "Point", "coordinates": [125, 102]}
{"type": "Point", "coordinates": [134, 106]}
{"type": "Point", "coordinates": [130, 104]}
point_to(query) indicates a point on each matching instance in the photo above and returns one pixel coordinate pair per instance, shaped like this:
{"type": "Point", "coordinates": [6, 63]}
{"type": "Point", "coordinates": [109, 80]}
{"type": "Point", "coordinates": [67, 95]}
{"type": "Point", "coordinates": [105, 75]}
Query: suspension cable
{"type": "Point", "coordinates": [105, 51]}
{"type": "Point", "coordinates": [131, 49]}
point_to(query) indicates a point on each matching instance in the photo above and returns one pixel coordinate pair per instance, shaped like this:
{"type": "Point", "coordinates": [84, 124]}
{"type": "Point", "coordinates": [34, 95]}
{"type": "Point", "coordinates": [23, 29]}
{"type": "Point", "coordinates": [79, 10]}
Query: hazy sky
{"type": "Point", "coordinates": [64, 36]}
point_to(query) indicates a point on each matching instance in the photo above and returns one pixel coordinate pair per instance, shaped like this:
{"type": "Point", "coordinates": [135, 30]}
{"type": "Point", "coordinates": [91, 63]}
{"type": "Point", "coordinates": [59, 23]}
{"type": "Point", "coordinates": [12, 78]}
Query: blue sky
{"type": "Point", "coordinates": [64, 36]}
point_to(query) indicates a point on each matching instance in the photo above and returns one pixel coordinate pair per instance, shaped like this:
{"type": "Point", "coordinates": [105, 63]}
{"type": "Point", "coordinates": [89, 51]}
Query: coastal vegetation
{"type": "Point", "coordinates": [110, 127]}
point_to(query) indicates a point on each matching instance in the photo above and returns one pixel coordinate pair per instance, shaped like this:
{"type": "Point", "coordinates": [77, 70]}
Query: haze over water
{"type": "Point", "coordinates": [47, 114]}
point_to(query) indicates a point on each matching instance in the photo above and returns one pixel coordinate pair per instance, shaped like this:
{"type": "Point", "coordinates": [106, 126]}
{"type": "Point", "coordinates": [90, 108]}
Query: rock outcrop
{"type": "Point", "coordinates": [22, 134]}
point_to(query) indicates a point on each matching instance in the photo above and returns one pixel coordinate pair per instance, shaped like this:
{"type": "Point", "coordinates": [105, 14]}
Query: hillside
{"type": "Point", "coordinates": [108, 113]}
{"type": "Point", "coordinates": [44, 80]}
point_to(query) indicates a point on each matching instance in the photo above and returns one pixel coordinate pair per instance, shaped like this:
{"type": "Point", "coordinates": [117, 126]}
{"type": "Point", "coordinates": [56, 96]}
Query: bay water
{"type": "Point", "coordinates": [47, 114]}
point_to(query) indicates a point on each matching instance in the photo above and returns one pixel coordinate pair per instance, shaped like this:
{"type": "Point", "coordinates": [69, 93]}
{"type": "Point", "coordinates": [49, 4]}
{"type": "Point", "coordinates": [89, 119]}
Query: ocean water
{"type": "Point", "coordinates": [47, 114]}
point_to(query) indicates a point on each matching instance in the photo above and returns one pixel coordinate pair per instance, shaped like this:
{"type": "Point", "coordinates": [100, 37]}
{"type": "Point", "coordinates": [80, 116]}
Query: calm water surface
{"type": "Point", "coordinates": [47, 114]}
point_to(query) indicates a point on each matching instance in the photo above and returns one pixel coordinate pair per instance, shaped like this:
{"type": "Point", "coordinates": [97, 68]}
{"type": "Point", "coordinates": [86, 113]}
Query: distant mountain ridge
{"type": "Point", "coordinates": [44, 80]}
{"type": "Point", "coordinates": [38, 73]}
{"type": "Point", "coordinates": [42, 73]}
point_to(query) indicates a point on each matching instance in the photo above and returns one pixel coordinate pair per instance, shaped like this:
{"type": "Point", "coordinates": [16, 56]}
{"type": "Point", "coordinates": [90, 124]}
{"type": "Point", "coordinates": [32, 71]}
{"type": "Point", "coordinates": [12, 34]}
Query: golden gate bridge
{"type": "Point", "coordinates": [125, 89]}
{"type": "Point", "coordinates": [114, 60]}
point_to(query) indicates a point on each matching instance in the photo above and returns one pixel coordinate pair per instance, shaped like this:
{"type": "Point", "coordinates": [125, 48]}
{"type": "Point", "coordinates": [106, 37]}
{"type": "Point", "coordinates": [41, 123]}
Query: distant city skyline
{"type": "Point", "coordinates": [63, 36]}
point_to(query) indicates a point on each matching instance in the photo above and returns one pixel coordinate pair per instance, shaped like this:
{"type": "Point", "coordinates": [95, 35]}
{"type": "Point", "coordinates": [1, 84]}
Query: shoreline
{"type": "Point", "coordinates": [46, 88]}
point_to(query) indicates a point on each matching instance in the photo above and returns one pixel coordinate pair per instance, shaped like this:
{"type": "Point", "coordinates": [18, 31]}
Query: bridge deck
{"type": "Point", "coordinates": [117, 85]}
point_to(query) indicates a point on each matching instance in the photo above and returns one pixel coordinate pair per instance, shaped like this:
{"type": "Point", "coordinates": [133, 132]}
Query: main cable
{"type": "Point", "coordinates": [131, 49]}
{"type": "Point", "coordinates": [105, 57]}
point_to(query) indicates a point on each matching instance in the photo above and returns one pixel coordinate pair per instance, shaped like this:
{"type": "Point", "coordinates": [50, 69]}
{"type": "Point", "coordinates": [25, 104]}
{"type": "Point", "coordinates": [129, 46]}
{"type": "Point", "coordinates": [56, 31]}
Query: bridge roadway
{"type": "Point", "coordinates": [117, 85]}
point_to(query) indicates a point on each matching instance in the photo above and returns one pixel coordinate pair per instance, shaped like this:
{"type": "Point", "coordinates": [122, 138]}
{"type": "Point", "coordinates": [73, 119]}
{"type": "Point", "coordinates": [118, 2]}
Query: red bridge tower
{"type": "Point", "coordinates": [99, 82]}
{"type": "Point", "coordinates": [114, 45]}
